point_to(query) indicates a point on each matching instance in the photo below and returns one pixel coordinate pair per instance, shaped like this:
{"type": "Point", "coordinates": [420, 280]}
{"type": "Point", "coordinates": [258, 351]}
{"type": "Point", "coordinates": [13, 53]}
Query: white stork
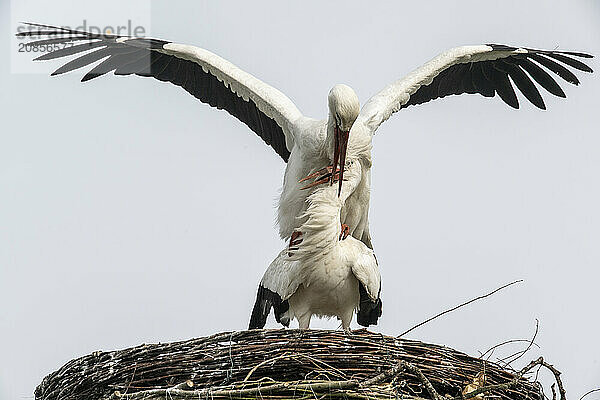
{"type": "Point", "coordinates": [310, 145]}
{"type": "Point", "coordinates": [315, 148]}
{"type": "Point", "coordinates": [324, 276]}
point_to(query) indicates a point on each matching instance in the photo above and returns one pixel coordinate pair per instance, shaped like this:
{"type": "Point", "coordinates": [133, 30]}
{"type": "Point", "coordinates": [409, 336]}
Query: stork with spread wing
{"type": "Point", "coordinates": [312, 148]}
{"type": "Point", "coordinates": [316, 151]}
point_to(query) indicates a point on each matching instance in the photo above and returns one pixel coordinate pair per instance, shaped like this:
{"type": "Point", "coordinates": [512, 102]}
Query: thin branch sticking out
{"type": "Point", "coordinates": [458, 306]}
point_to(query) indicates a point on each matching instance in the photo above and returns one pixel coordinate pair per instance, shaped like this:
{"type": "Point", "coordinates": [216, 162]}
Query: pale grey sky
{"type": "Point", "coordinates": [132, 213]}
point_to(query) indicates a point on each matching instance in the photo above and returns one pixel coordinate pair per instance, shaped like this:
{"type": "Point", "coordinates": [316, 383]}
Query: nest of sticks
{"type": "Point", "coordinates": [290, 364]}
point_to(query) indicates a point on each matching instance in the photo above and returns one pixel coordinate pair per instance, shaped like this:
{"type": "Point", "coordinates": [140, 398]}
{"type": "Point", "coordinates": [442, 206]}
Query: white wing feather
{"type": "Point", "coordinates": [269, 100]}
{"type": "Point", "coordinates": [282, 276]}
{"type": "Point", "coordinates": [366, 270]}
{"type": "Point", "coordinates": [381, 106]}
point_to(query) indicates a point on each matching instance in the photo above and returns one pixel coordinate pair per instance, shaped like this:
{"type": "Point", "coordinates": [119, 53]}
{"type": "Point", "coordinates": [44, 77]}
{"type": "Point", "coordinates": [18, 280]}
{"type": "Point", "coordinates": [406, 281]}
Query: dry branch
{"type": "Point", "coordinates": [458, 306]}
{"type": "Point", "coordinates": [589, 392]}
{"type": "Point", "coordinates": [515, 381]}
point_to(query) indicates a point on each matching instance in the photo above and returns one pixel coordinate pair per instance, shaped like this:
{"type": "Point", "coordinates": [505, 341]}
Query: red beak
{"type": "Point", "coordinates": [339, 155]}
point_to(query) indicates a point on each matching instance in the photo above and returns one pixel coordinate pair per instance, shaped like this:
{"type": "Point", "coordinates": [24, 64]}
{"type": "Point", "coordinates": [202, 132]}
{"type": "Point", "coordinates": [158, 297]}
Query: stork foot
{"type": "Point", "coordinates": [345, 232]}
{"type": "Point", "coordinates": [295, 241]}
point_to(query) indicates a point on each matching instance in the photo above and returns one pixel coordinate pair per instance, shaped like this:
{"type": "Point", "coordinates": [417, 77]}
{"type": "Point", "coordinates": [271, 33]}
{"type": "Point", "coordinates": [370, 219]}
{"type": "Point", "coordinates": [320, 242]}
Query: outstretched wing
{"type": "Point", "coordinates": [481, 69]}
{"type": "Point", "coordinates": [206, 76]}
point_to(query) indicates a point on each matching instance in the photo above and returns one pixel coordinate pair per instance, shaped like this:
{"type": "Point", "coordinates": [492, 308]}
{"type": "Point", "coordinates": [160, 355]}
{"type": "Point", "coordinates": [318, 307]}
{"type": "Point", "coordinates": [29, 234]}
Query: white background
{"type": "Point", "coordinates": [132, 213]}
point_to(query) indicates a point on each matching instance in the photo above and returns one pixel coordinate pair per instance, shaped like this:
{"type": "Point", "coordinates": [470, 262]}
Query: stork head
{"type": "Point", "coordinates": [343, 110]}
{"type": "Point", "coordinates": [343, 106]}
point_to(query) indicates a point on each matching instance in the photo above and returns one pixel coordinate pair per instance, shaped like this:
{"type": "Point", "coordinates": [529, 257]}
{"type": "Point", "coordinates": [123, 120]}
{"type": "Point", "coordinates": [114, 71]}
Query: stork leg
{"type": "Point", "coordinates": [295, 240]}
{"type": "Point", "coordinates": [346, 319]}
{"type": "Point", "coordinates": [304, 321]}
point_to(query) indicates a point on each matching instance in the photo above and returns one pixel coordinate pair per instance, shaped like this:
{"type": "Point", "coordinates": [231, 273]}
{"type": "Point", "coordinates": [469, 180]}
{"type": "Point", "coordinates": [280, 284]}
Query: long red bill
{"type": "Point", "coordinates": [336, 152]}
{"type": "Point", "coordinates": [343, 146]}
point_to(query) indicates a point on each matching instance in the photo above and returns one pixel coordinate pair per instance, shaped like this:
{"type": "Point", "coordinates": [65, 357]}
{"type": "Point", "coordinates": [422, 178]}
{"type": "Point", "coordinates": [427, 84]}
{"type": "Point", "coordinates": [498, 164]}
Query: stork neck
{"type": "Point", "coordinates": [330, 138]}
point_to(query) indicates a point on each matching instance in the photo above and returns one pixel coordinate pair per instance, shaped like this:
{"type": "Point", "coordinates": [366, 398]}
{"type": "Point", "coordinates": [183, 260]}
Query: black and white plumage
{"type": "Point", "coordinates": [483, 70]}
{"type": "Point", "coordinates": [324, 276]}
{"type": "Point", "coordinates": [306, 144]}
{"type": "Point", "coordinates": [204, 75]}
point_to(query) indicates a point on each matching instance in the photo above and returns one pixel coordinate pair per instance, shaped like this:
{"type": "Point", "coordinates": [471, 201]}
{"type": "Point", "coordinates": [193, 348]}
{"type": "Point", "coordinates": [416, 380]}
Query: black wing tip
{"type": "Point", "coordinates": [577, 54]}
{"type": "Point", "coordinates": [88, 77]}
{"type": "Point", "coordinates": [41, 25]}
{"type": "Point", "coordinates": [369, 310]}
{"type": "Point", "coordinates": [369, 316]}
{"type": "Point", "coordinates": [260, 312]}
{"type": "Point", "coordinates": [511, 101]}
{"type": "Point", "coordinates": [60, 30]}
{"type": "Point", "coordinates": [265, 300]}
{"type": "Point", "coordinates": [37, 25]}
{"type": "Point", "coordinates": [527, 68]}
{"type": "Point", "coordinates": [504, 47]}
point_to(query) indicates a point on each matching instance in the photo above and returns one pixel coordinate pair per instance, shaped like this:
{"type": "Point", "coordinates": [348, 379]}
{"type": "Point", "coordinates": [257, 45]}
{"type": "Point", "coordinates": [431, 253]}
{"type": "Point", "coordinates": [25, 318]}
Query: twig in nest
{"type": "Point", "coordinates": [233, 392]}
{"type": "Point", "coordinates": [316, 363]}
{"type": "Point", "coordinates": [458, 306]}
{"type": "Point", "coordinates": [267, 361]}
{"type": "Point", "coordinates": [521, 353]}
{"type": "Point", "coordinates": [409, 367]}
{"type": "Point", "coordinates": [517, 378]}
{"type": "Point", "coordinates": [478, 381]}
{"type": "Point", "coordinates": [494, 347]}
{"type": "Point", "coordinates": [556, 373]}
{"type": "Point", "coordinates": [430, 389]}
{"type": "Point", "coordinates": [182, 391]}
{"type": "Point", "coordinates": [187, 385]}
